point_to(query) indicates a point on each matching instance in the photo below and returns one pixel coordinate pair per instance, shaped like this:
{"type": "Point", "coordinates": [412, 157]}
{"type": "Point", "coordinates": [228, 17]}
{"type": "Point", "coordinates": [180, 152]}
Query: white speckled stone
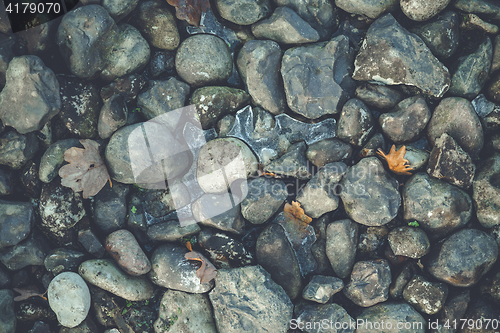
{"type": "Point", "coordinates": [69, 298]}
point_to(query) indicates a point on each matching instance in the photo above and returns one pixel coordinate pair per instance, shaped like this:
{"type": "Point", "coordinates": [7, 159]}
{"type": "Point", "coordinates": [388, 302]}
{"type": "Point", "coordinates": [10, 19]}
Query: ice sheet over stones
{"type": "Point", "coordinates": [30, 97]}
{"type": "Point", "coordinates": [317, 77]}
{"type": "Point", "coordinates": [392, 55]}
{"type": "Point", "coordinates": [247, 299]}
{"type": "Point", "coordinates": [270, 144]}
{"type": "Point", "coordinates": [370, 195]}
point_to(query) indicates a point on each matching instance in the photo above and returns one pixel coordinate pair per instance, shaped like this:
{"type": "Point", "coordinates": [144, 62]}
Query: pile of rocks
{"type": "Point", "coordinates": [209, 132]}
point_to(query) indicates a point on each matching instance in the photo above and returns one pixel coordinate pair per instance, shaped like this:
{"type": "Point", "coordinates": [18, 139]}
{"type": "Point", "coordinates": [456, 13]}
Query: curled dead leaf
{"type": "Point", "coordinates": [295, 212]}
{"type": "Point", "coordinates": [27, 293]}
{"type": "Point", "coordinates": [207, 272]}
{"type": "Point", "coordinates": [396, 161]}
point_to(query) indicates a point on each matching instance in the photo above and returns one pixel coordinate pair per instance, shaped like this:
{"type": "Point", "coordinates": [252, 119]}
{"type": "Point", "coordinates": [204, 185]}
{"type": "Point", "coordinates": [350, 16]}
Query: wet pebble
{"type": "Point", "coordinates": [32, 90]}
{"type": "Point", "coordinates": [328, 151]}
{"type": "Point", "coordinates": [356, 123]}
{"type": "Point", "coordinates": [110, 207]}
{"type": "Point", "coordinates": [203, 59]}
{"type": "Point", "coordinates": [157, 23]}
{"type": "Point", "coordinates": [436, 205]}
{"type": "Point", "coordinates": [378, 96]}
{"type": "Point", "coordinates": [69, 298]}
{"type": "Point", "coordinates": [448, 161]}
{"type": "Point", "coordinates": [341, 244]}
{"type": "Point", "coordinates": [321, 288]}
{"type": "Point", "coordinates": [275, 254]}
{"type": "Point", "coordinates": [285, 26]}
{"type": "Point", "coordinates": [267, 306]}
{"type": "Point", "coordinates": [170, 269]}
{"type": "Point", "coordinates": [369, 282]}
{"type": "Point", "coordinates": [180, 311]}
{"type": "Point", "coordinates": [265, 197]}
{"type": "Point", "coordinates": [321, 194]}
{"type": "Point", "coordinates": [16, 220]}
{"type": "Point", "coordinates": [463, 258]}
{"type": "Point", "coordinates": [125, 249]}
{"type": "Point", "coordinates": [427, 297]}
{"type": "Point", "coordinates": [244, 12]}
{"type": "Point", "coordinates": [17, 149]}
{"type": "Point", "coordinates": [407, 120]}
{"type": "Point", "coordinates": [392, 314]}
{"type": "Point", "coordinates": [369, 176]}
{"type": "Point", "coordinates": [486, 192]}
{"type": "Point", "coordinates": [259, 63]}
{"type": "Point", "coordinates": [456, 117]}
{"type": "Point", "coordinates": [171, 231]}
{"type": "Point", "coordinates": [409, 242]}
{"type": "Point", "coordinates": [105, 274]}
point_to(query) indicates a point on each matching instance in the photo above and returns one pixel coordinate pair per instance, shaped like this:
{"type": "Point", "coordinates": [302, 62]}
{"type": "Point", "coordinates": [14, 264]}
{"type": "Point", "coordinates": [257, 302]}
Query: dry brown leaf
{"type": "Point", "coordinates": [207, 271]}
{"type": "Point", "coordinates": [27, 293]}
{"type": "Point", "coordinates": [295, 212]}
{"type": "Point", "coordinates": [396, 161]}
{"type": "Point", "coordinates": [190, 10]}
{"type": "Point", "coordinates": [86, 170]}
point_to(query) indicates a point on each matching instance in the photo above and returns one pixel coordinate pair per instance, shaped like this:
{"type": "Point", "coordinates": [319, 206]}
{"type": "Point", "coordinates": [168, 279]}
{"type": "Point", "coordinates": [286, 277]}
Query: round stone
{"type": "Point", "coordinates": [69, 298]}
{"type": "Point", "coordinates": [204, 59]}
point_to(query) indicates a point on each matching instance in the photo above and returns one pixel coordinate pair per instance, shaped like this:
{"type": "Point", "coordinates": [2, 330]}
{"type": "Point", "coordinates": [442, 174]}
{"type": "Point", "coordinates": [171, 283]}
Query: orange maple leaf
{"type": "Point", "coordinates": [295, 212]}
{"type": "Point", "coordinates": [396, 161]}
